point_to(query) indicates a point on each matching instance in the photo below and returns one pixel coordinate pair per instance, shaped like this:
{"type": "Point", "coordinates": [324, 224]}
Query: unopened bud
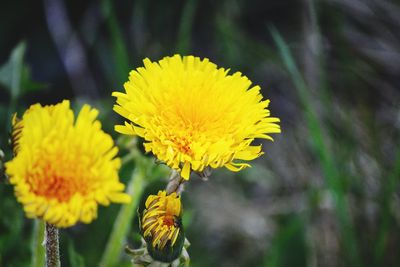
{"type": "Point", "coordinates": [161, 226]}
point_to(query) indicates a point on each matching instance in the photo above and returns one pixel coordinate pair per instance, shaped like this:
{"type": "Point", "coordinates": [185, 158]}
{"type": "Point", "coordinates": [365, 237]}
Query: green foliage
{"type": "Point", "coordinates": [74, 258]}
{"type": "Point", "coordinates": [123, 221]}
{"type": "Point", "coordinates": [327, 160]}
{"type": "Point", "coordinates": [384, 226]}
{"type": "Point", "coordinates": [15, 74]}
{"type": "Point", "coordinates": [185, 27]}
{"type": "Point", "coordinates": [289, 244]}
{"type": "Point", "coordinates": [120, 52]}
{"type": "Point", "coordinates": [37, 249]}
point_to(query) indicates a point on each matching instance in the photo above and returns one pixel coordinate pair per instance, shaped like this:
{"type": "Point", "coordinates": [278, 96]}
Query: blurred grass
{"type": "Point", "coordinates": [119, 50]}
{"type": "Point", "coordinates": [334, 180]}
{"type": "Point", "coordinates": [185, 27]}
{"type": "Point", "coordinates": [122, 225]}
{"type": "Point", "coordinates": [285, 246]}
{"type": "Point", "coordinates": [11, 77]}
{"type": "Point", "coordinates": [38, 250]}
{"type": "Point", "coordinates": [75, 259]}
{"type": "Point", "coordinates": [388, 193]}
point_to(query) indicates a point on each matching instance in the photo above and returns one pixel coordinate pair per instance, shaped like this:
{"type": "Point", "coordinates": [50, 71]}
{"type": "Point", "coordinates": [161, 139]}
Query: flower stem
{"type": "Point", "coordinates": [38, 252]}
{"type": "Point", "coordinates": [175, 183]}
{"type": "Point", "coordinates": [52, 246]}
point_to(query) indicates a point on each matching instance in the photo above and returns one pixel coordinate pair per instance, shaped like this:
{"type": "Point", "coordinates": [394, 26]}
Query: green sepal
{"type": "Point", "coordinates": [168, 253]}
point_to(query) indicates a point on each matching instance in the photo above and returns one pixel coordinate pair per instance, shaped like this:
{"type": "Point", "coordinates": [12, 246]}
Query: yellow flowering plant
{"type": "Point", "coordinates": [63, 168]}
{"type": "Point", "coordinates": [193, 116]}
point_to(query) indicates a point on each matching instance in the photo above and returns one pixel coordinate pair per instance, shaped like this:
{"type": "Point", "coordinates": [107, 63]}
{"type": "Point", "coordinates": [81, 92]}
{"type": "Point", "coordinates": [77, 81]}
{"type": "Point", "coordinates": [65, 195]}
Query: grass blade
{"type": "Point", "coordinates": [126, 214]}
{"type": "Point", "coordinates": [75, 259]}
{"type": "Point", "coordinates": [38, 251]}
{"type": "Point", "coordinates": [383, 230]}
{"type": "Point", "coordinates": [185, 27]}
{"type": "Point", "coordinates": [119, 49]}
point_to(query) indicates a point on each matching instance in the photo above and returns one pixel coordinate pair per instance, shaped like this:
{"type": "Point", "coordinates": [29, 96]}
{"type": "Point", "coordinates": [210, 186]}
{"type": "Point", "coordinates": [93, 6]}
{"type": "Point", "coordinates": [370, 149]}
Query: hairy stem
{"type": "Point", "coordinates": [175, 183]}
{"type": "Point", "coordinates": [52, 247]}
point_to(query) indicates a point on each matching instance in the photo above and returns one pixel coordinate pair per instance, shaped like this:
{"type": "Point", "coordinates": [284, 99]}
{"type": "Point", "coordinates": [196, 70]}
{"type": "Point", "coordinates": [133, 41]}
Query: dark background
{"type": "Point", "coordinates": [326, 191]}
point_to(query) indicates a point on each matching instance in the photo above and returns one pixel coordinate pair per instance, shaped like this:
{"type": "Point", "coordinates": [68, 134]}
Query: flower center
{"type": "Point", "coordinates": [55, 176]}
{"type": "Point", "coordinates": [183, 145]}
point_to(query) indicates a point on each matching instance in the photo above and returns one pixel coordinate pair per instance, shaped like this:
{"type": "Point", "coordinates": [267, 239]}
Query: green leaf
{"type": "Point", "coordinates": [119, 50]}
{"type": "Point", "coordinates": [11, 72]}
{"type": "Point", "coordinates": [27, 85]}
{"type": "Point", "coordinates": [15, 75]}
{"type": "Point", "coordinates": [123, 222]}
{"type": "Point", "coordinates": [38, 250]}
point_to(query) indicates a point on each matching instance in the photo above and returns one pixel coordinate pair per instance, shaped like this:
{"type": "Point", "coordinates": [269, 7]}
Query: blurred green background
{"type": "Point", "coordinates": [326, 193]}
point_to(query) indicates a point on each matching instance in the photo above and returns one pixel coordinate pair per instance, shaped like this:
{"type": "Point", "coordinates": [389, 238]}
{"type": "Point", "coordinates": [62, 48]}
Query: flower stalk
{"type": "Point", "coordinates": [171, 104]}
{"type": "Point", "coordinates": [52, 246]}
{"type": "Point", "coordinates": [175, 183]}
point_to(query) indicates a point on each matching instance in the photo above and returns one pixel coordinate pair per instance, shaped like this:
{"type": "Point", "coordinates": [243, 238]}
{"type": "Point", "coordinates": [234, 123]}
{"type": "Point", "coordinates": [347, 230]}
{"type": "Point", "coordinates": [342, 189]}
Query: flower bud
{"type": "Point", "coordinates": [161, 226]}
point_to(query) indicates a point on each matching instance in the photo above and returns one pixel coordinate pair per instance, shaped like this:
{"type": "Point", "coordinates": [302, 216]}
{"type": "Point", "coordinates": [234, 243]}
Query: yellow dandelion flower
{"type": "Point", "coordinates": [63, 168]}
{"type": "Point", "coordinates": [160, 222]}
{"type": "Point", "coordinates": [194, 115]}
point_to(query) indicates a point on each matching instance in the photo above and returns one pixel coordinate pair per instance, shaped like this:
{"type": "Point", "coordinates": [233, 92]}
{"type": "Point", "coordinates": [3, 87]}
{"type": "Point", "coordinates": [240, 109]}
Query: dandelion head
{"type": "Point", "coordinates": [160, 221]}
{"type": "Point", "coordinates": [63, 167]}
{"type": "Point", "coordinates": [194, 115]}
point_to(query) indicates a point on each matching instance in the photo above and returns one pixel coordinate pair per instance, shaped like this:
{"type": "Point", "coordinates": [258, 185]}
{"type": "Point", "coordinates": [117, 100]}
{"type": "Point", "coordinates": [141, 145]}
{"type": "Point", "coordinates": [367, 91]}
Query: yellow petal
{"type": "Point", "coordinates": [185, 173]}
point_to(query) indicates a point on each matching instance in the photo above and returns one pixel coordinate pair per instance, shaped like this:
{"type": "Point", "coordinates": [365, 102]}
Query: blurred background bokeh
{"type": "Point", "coordinates": [326, 192]}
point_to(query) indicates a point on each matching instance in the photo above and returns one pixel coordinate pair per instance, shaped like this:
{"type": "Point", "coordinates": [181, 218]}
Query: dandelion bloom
{"type": "Point", "coordinates": [63, 168]}
{"type": "Point", "coordinates": [161, 225]}
{"type": "Point", "coordinates": [194, 115]}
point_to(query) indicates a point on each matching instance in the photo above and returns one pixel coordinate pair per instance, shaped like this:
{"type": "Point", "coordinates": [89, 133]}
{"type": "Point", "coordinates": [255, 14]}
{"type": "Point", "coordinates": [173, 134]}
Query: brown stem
{"type": "Point", "coordinates": [175, 183]}
{"type": "Point", "coordinates": [52, 247]}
